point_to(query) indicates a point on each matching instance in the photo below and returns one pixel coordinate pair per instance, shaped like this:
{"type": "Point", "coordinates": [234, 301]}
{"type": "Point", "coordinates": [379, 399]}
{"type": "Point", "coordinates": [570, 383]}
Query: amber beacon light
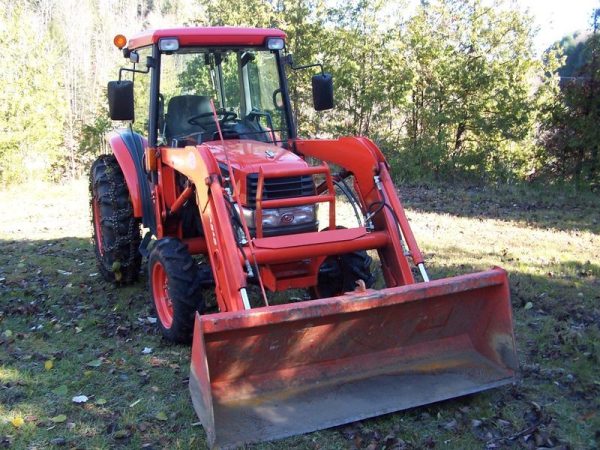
{"type": "Point", "coordinates": [120, 41]}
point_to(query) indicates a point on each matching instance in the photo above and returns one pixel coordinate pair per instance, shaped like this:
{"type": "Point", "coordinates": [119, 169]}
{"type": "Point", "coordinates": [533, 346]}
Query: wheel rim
{"type": "Point", "coordinates": [97, 225]}
{"type": "Point", "coordinates": [160, 292]}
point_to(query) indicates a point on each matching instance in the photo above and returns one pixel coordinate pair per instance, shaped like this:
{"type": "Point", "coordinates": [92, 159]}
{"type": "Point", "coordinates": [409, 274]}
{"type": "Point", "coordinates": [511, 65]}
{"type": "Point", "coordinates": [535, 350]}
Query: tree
{"type": "Point", "coordinates": [32, 114]}
{"type": "Point", "coordinates": [471, 88]}
{"type": "Point", "coordinates": [569, 128]}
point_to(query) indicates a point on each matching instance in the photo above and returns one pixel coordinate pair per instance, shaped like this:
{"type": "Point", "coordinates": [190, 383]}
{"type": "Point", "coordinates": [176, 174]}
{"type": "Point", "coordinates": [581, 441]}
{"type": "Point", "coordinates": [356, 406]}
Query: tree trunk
{"type": "Point", "coordinates": [460, 131]}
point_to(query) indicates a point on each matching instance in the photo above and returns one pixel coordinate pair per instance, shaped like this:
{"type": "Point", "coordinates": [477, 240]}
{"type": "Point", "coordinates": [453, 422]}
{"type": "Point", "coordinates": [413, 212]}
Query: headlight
{"type": "Point", "coordinates": [275, 43]}
{"type": "Point", "coordinates": [281, 217]}
{"type": "Point", "coordinates": [168, 44]}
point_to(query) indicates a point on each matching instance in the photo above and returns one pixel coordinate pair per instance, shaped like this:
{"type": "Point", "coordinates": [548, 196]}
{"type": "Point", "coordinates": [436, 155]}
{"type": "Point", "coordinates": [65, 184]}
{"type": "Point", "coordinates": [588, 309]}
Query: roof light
{"type": "Point", "coordinates": [120, 41]}
{"type": "Point", "coordinates": [275, 43]}
{"type": "Point", "coordinates": [168, 44]}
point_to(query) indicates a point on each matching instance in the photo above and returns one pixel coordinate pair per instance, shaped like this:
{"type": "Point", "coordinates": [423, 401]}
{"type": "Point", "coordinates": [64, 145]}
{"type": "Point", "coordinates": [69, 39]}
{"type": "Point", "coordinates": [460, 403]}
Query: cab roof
{"type": "Point", "coordinates": [201, 36]}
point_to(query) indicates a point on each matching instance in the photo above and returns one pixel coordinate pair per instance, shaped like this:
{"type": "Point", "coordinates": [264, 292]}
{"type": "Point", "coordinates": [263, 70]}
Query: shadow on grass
{"type": "Point", "coordinates": [568, 211]}
{"type": "Point", "coordinates": [55, 307]}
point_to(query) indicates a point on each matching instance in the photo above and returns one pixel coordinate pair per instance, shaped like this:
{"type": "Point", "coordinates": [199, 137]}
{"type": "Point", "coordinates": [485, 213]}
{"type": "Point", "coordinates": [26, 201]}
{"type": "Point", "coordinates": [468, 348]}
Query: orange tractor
{"type": "Point", "coordinates": [227, 195]}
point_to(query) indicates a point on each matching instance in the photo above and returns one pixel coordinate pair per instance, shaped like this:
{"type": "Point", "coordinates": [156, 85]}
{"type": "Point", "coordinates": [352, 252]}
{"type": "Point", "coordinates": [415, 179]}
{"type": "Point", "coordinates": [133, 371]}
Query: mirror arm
{"type": "Point", "coordinates": [307, 67]}
{"type": "Point", "coordinates": [134, 70]}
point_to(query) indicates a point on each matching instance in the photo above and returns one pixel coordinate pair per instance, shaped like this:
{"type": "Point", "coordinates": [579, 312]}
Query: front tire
{"type": "Point", "coordinates": [339, 274]}
{"type": "Point", "coordinates": [175, 285]}
{"type": "Point", "coordinates": [116, 232]}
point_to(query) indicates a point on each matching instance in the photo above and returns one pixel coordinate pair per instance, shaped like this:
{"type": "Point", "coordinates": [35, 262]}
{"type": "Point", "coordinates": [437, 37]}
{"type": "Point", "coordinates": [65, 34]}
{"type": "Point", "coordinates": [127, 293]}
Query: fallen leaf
{"type": "Point", "coordinates": [161, 416]}
{"type": "Point", "coordinates": [528, 305]}
{"type": "Point", "coordinates": [18, 421]}
{"type": "Point", "coordinates": [100, 401]}
{"type": "Point", "coordinates": [48, 365]}
{"type": "Point", "coordinates": [121, 434]}
{"type": "Point", "coordinates": [147, 350]}
{"type": "Point", "coordinates": [157, 362]}
{"type": "Point", "coordinates": [451, 426]}
{"type": "Point", "coordinates": [61, 390]}
{"type": "Point", "coordinates": [80, 399]}
{"type": "Point", "coordinates": [503, 423]}
{"type": "Point", "coordinates": [59, 419]}
{"type": "Point", "coordinates": [94, 363]}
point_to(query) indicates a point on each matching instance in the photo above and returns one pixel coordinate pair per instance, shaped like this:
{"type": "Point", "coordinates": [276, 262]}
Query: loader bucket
{"type": "Point", "coordinates": [277, 371]}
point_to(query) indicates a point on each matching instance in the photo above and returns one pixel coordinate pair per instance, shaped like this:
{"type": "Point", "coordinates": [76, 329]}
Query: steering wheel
{"type": "Point", "coordinates": [225, 116]}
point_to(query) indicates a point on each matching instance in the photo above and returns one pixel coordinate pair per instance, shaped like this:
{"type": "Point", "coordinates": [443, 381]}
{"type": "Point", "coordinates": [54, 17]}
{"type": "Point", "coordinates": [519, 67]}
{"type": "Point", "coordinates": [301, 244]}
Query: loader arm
{"type": "Point", "coordinates": [365, 161]}
{"type": "Point", "coordinates": [200, 166]}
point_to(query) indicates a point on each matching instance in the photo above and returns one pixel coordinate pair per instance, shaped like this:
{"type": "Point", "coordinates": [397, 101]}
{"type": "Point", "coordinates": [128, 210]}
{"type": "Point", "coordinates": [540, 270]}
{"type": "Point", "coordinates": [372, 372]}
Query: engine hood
{"type": "Point", "coordinates": [248, 156]}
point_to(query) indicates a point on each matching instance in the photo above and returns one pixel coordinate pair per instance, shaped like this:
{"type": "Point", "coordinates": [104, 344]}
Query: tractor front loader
{"type": "Point", "coordinates": [228, 194]}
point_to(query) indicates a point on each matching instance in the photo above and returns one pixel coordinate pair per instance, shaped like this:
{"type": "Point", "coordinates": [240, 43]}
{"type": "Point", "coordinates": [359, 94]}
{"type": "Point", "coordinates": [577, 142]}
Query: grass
{"type": "Point", "coordinates": [54, 307]}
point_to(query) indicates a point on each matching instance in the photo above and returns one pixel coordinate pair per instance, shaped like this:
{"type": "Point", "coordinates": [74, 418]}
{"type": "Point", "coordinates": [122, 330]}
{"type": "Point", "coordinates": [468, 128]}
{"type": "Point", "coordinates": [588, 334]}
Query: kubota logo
{"type": "Point", "coordinates": [287, 219]}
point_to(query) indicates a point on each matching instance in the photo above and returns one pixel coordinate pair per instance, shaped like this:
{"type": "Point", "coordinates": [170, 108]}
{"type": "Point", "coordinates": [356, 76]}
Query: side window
{"type": "Point", "coordinates": [186, 74]}
{"type": "Point", "coordinates": [141, 93]}
{"type": "Point", "coordinates": [263, 84]}
{"type": "Point", "coordinates": [231, 82]}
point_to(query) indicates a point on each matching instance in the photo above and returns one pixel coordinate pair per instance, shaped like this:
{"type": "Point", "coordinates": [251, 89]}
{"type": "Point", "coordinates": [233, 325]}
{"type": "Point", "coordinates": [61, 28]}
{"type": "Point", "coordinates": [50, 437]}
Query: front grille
{"type": "Point", "coordinates": [275, 188]}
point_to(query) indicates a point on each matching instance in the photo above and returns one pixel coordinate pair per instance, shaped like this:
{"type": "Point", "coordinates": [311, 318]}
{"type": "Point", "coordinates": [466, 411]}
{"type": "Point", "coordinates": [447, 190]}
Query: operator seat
{"type": "Point", "coordinates": [180, 109]}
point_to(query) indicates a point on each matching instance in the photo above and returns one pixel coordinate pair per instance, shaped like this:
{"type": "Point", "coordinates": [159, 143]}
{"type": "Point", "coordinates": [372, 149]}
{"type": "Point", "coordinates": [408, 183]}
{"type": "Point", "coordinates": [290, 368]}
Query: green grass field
{"type": "Point", "coordinates": [64, 332]}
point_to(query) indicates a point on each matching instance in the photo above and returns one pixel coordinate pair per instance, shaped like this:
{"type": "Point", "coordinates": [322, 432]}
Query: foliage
{"type": "Point", "coordinates": [470, 93]}
{"type": "Point", "coordinates": [32, 114]}
{"type": "Point", "coordinates": [449, 89]}
{"type": "Point", "coordinates": [569, 129]}
{"type": "Point", "coordinates": [92, 138]}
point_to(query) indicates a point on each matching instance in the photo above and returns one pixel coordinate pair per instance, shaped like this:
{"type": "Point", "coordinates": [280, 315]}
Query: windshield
{"type": "Point", "coordinates": [243, 84]}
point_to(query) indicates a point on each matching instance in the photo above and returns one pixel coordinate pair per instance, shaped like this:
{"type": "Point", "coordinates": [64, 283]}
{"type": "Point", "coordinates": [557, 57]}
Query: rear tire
{"type": "Point", "coordinates": [175, 285]}
{"type": "Point", "coordinates": [116, 232]}
{"type": "Point", "coordinates": [339, 274]}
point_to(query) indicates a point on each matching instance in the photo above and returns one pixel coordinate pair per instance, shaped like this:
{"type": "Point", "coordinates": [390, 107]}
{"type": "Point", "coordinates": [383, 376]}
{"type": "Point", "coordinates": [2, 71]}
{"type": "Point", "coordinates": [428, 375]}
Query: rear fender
{"type": "Point", "coordinates": [128, 166]}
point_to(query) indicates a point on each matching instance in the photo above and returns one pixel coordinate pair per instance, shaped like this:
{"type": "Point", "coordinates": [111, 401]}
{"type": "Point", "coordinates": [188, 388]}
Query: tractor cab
{"type": "Point", "coordinates": [243, 85]}
{"type": "Point", "coordinates": [232, 79]}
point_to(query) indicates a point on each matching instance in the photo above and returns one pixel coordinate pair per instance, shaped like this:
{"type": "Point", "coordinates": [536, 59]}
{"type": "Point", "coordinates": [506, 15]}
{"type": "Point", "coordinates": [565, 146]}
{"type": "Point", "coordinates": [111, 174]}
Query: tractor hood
{"type": "Point", "coordinates": [248, 156]}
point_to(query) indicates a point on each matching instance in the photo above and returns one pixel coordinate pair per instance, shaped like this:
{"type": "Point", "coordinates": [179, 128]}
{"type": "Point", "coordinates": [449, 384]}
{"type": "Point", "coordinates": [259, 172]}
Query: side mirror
{"type": "Point", "coordinates": [322, 90]}
{"type": "Point", "coordinates": [120, 100]}
{"type": "Point", "coordinates": [134, 57]}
